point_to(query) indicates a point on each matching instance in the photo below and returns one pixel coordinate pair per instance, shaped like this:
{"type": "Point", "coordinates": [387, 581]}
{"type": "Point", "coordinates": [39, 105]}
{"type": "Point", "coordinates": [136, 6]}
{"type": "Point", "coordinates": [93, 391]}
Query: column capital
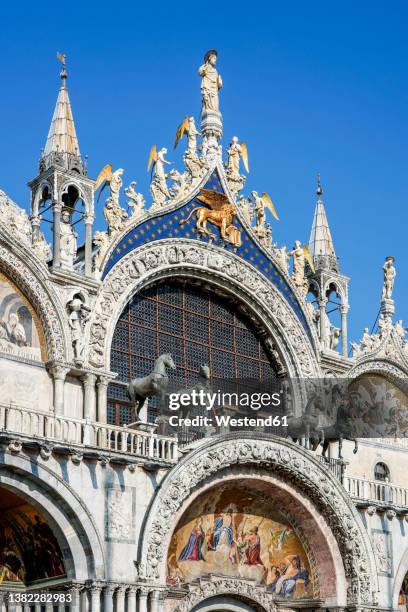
{"type": "Point", "coordinates": [89, 379]}
{"type": "Point", "coordinates": [59, 372]}
{"type": "Point", "coordinates": [344, 308]}
{"type": "Point", "coordinates": [103, 381]}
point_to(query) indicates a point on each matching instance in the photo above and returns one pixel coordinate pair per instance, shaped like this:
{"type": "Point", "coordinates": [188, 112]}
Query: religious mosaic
{"type": "Point", "coordinates": [241, 534]}
{"type": "Point", "coordinates": [29, 550]}
{"type": "Point", "coordinates": [19, 333]}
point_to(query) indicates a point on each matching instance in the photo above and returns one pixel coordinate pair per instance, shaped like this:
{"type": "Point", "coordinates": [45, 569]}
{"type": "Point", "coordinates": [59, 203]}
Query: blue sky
{"type": "Point", "coordinates": [309, 87]}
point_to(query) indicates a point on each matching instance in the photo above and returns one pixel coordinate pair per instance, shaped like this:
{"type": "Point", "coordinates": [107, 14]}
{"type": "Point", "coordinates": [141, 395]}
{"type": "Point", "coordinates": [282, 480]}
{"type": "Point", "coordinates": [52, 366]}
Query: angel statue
{"type": "Point", "coordinates": [136, 201]}
{"type": "Point", "coordinates": [236, 151]}
{"type": "Point", "coordinates": [188, 128]}
{"type": "Point", "coordinates": [282, 257]}
{"type": "Point", "coordinates": [260, 203]}
{"type": "Point", "coordinates": [300, 255]}
{"type": "Point", "coordinates": [211, 82]}
{"type": "Point", "coordinates": [193, 163]}
{"type": "Point", "coordinates": [158, 186]}
{"type": "Point", "coordinates": [114, 214]}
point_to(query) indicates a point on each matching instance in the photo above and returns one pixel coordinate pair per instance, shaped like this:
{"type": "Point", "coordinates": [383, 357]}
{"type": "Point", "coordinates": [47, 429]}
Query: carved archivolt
{"type": "Point", "coordinates": [295, 465]}
{"type": "Point", "coordinates": [190, 258]}
{"type": "Point", "coordinates": [46, 307]}
{"type": "Point", "coordinates": [226, 586]}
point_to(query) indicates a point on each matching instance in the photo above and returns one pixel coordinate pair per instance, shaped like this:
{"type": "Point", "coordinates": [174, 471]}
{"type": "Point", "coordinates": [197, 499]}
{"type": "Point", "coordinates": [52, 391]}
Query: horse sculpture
{"type": "Point", "coordinates": [306, 425]}
{"type": "Point", "coordinates": [341, 430]}
{"type": "Point", "coordinates": [155, 383]}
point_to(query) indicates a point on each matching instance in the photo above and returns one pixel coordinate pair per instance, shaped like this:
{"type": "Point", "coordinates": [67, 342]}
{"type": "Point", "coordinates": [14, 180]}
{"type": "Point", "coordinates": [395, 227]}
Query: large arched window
{"type": "Point", "coordinates": [197, 327]}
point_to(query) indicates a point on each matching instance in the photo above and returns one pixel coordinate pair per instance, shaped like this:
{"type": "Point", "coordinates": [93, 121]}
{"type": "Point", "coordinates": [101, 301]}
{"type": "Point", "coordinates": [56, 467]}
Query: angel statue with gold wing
{"type": "Point", "coordinates": [301, 255]}
{"type": "Point", "coordinates": [158, 185]}
{"type": "Point", "coordinates": [114, 214]}
{"type": "Point", "coordinates": [193, 163]}
{"type": "Point", "coordinates": [260, 203]}
{"type": "Point", "coordinates": [237, 151]}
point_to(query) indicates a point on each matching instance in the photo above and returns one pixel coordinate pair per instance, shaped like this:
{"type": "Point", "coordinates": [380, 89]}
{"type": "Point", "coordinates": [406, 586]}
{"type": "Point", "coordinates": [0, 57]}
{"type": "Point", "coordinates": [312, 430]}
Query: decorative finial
{"type": "Point", "coordinates": [319, 189]}
{"type": "Point", "coordinates": [63, 59]}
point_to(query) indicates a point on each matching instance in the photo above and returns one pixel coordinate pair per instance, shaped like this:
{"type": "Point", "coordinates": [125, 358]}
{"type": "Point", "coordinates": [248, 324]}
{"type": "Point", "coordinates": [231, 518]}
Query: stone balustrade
{"type": "Point", "coordinates": [63, 429]}
{"type": "Point", "coordinates": [382, 493]}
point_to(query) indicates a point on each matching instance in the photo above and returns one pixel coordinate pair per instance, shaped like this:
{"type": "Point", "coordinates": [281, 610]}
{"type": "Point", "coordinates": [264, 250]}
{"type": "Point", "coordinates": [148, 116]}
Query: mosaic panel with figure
{"type": "Point", "coordinates": [238, 532]}
{"type": "Point", "coordinates": [20, 333]}
{"type": "Point", "coordinates": [29, 550]}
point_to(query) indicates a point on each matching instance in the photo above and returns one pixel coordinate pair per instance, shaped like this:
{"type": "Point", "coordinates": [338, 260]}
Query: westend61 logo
{"type": "Point", "coordinates": [194, 406]}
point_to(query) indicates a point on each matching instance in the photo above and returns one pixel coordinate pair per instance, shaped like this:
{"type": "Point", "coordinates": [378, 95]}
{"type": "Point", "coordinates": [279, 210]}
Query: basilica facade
{"type": "Point", "coordinates": [100, 500]}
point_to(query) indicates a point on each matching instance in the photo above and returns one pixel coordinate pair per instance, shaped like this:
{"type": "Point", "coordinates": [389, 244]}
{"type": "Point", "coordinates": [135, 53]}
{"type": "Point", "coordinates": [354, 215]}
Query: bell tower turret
{"type": "Point", "coordinates": [326, 282]}
{"type": "Point", "coordinates": [62, 192]}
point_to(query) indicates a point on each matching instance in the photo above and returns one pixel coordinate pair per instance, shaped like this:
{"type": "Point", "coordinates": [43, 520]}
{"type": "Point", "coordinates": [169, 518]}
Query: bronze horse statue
{"type": "Point", "coordinates": [155, 383]}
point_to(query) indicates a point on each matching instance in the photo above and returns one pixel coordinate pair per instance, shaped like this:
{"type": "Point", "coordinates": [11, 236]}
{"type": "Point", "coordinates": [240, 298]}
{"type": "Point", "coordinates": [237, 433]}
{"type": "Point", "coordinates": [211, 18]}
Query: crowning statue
{"type": "Point", "coordinates": [211, 121]}
{"type": "Point", "coordinates": [211, 82]}
{"type": "Point", "coordinates": [114, 214]}
{"type": "Point", "coordinates": [158, 186]}
{"type": "Point", "coordinates": [389, 278]}
{"type": "Point", "coordinates": [68, 241]}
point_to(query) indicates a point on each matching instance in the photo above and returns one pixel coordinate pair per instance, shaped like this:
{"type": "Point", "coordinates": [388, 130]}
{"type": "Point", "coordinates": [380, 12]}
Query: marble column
{"type": "Point", "coordinates": [88, 245]}
{"type": "Point", "coordinates": [59, 373]}
{"type": "Point", "coordinates": [75, 602]}
{"type": "Point", "coordinates": [131, 599]}
{"type": "Point", "coordinates": [89, 396]}
{"type": "Point", "coordinates": [154, 601]}
{"type": "Point", "coordinates": [143, 593]}
{"type": "Point", "coordinates": [102, 387]}
{"type": "Point", "coordinates": [322, 320]}
{"type": "Point", "coordinates": [120, 599]}
{"type": "Point", "coordinates": [343, 311]}
{"type": "Point", "coordinates": [108, 597]}
{"type": "Point", "coordinates": [95, 598]}
{"type": "Point", "coordinates": [56, 260]}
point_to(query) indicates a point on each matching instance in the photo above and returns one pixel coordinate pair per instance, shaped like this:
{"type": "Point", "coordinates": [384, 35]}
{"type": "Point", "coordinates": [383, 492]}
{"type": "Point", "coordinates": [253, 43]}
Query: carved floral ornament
{"type": "Point", "coordinates": [183, 256]}
{"type": "Point", "coordinates": [296, 466]}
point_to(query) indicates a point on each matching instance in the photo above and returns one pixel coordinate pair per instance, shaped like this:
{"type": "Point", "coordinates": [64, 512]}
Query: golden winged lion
{"type": "Point", "coordinates": [220, 213]}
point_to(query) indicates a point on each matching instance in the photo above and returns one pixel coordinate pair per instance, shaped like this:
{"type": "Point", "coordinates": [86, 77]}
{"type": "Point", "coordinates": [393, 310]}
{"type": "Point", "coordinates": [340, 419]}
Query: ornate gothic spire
{"type": "Point", "coordinates": [320, 243]}
{"type": "Point", "coordinates": [62, 146]}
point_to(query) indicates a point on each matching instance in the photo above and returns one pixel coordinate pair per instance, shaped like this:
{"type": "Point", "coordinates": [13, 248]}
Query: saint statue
{"type": "Point", "coordinates": [211, 82]}
{"type": "Point", "coordinates": [389, 278]}
{"type": "Point", "coordinates": [68, 241]}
